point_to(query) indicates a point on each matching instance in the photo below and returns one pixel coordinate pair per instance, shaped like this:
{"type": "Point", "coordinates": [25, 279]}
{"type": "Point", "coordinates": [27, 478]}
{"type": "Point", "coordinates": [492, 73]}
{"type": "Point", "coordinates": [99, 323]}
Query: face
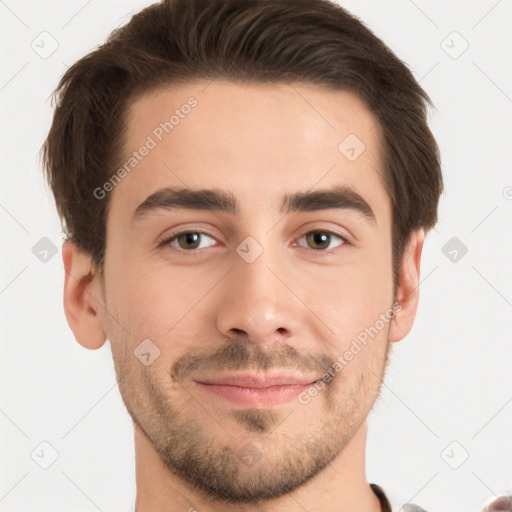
{"type": "Point", "coordinates": [255, 294]}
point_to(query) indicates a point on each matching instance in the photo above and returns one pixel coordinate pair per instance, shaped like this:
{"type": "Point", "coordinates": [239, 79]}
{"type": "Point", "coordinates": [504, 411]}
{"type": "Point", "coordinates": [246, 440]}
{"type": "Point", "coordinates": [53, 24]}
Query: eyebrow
{"type": "Point", "coordinates": [339, 197]}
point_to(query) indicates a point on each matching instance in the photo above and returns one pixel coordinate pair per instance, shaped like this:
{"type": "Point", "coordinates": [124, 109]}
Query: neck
{"type": "Point", "coordinates": [339, 487]}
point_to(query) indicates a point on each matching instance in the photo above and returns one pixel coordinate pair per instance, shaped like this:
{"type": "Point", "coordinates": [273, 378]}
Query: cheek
{"type": "Point", "coordinates": [131, 296]}
{"type": "Point", "coordinates": [351, 298]}
{"type": "Point", "coordinates": [163, 304]}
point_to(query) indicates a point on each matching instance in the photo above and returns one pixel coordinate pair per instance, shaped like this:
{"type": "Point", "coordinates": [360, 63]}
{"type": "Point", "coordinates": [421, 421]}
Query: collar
{"type": "Point", "coordinates": [385, 506]}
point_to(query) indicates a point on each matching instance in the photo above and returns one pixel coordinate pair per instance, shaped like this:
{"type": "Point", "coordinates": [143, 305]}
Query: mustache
{"type": "Point", "coordinates": [243, 355]}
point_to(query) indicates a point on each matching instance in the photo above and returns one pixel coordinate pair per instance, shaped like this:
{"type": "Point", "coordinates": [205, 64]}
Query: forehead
{"type": "Point", "coordinates": [259, 141]}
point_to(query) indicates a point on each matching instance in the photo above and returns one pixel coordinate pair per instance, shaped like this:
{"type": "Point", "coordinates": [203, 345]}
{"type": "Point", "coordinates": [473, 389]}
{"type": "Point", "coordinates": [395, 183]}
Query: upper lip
{"type": "Point", "coordinates": [252, 380]}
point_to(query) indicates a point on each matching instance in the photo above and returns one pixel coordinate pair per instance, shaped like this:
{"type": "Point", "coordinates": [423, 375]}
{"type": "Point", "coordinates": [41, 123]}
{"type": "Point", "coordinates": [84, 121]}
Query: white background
{"type": "Point", "coordinates": [450, 380]}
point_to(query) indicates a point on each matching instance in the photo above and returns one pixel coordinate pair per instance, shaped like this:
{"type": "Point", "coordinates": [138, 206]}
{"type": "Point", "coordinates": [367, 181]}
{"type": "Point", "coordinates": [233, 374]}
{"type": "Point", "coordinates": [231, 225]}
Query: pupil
{"type": "Point", "coordinates": [318, 238]}
{"type": "Point", "coordinates": [189, 237]}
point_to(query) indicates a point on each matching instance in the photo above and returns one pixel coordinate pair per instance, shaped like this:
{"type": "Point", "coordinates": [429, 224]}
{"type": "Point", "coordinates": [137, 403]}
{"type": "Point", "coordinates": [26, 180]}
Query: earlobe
{"type": "Point", "coordinates": [83, 297]}
{"type": "Point", "coordinates": [408, 287]}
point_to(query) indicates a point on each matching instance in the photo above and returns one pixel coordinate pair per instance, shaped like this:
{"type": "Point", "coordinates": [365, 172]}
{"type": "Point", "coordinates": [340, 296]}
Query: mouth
{"type": "Point", "coordinates": [255, 389]}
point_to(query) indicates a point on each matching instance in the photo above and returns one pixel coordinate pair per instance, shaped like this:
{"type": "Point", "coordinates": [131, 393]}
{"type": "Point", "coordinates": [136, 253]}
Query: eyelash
{"type": "Point", "coordinates": [174, 236]}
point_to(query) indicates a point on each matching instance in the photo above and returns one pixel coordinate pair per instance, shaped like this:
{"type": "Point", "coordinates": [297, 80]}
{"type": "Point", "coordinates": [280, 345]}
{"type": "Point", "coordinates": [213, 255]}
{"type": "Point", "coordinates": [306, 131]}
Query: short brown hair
{"type": "Point", "coordinates": [176, 41]}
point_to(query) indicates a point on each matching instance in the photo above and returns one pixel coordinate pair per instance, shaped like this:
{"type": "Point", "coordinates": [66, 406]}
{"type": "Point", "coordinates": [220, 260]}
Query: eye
{"type": "Point", "coordinates": [322, 238]}
{"type": "Point", "coordinates": [186, 240]}
{"type": "Point", "coordinates": [190, 240]}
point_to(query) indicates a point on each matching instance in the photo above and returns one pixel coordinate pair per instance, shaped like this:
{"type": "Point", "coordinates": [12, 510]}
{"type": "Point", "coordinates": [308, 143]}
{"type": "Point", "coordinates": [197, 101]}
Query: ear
{"type": "Point", "coordinates": [407, 294]}
{"type": "Point", "coordinates": [83, 297]}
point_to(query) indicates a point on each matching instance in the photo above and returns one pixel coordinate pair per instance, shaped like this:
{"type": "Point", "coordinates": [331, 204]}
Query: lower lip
{"type": "Point", "coordinates": [260, 397]}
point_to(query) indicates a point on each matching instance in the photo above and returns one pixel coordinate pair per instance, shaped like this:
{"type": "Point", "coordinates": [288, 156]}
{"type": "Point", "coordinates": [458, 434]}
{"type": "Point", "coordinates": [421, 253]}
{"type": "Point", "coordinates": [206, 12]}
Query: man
{"type": "Point", "coordinates": [245, 189]}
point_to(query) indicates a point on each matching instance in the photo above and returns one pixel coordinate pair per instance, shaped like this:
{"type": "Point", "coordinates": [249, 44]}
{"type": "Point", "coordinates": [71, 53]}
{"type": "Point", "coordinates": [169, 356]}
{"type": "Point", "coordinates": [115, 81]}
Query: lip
{"type": "Point", "coordinates": [251, 380]}
{"type": "Point", "coordinates": [256, 390]}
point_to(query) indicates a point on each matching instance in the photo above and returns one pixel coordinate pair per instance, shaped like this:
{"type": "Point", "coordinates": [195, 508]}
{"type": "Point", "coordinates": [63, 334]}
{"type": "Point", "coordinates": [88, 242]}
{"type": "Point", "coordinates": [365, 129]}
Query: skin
{"type": "Point", "coordinates": [259, 142]}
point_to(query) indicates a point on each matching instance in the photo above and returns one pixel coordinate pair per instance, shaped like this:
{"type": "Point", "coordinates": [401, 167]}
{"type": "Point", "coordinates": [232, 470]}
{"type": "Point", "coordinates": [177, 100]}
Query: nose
{"type": "Point", "coordinates": [258, 302]}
